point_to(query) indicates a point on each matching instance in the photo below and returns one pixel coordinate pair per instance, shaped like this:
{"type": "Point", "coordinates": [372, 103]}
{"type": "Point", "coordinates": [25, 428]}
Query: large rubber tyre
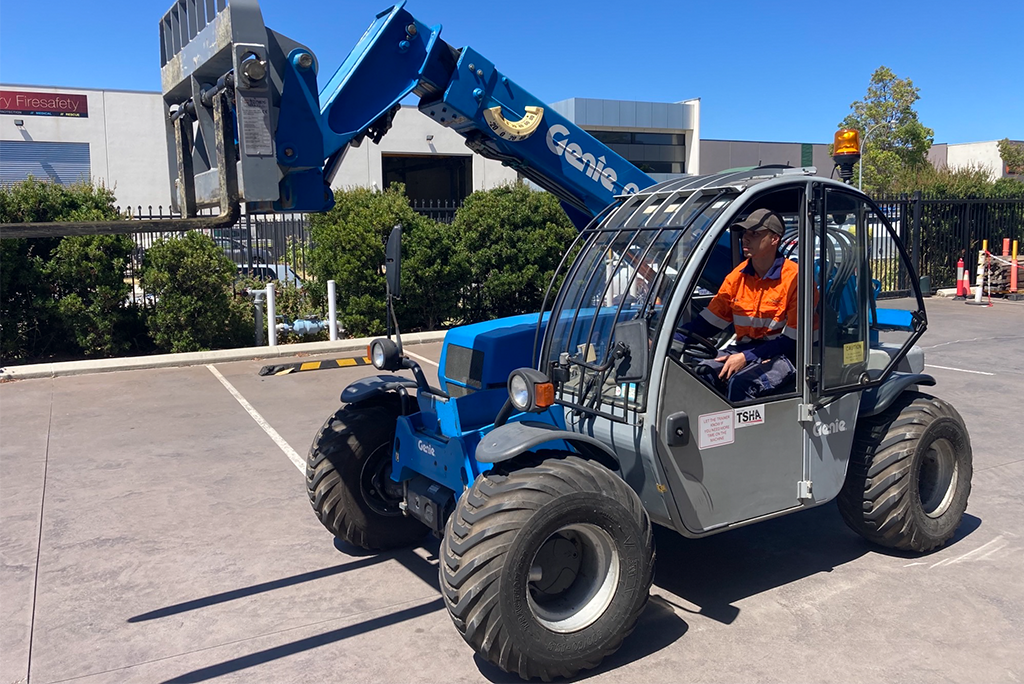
{"type": "Point", "coordinates": [909, 475]}
{"type": "Point", "coordinates": [546, 569]}
{"type": "Point", "coordinates": [347, 473]}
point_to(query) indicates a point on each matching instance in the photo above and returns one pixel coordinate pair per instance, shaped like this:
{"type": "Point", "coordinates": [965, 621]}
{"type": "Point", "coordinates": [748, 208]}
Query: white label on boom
{"type": "Point", "coordinates": [255, 114]}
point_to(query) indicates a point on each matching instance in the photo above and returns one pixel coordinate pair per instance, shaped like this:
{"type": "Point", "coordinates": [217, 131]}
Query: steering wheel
{"type": "Point", "coordinates": [697, 346]}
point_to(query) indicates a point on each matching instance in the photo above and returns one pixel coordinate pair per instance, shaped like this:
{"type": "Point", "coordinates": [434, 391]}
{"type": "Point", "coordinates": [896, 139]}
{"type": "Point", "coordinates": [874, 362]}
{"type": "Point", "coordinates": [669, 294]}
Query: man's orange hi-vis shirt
{"type": "Point", "coordinates": [759, 309]}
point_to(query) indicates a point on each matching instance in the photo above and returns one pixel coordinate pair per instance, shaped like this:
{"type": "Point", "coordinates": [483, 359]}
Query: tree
{"type": "Point", "coordinates": [898, 140]}
{"type": "Point", "coordinates": [1012, 155]}
{"type": "Point", "coordinates": [513, 238]}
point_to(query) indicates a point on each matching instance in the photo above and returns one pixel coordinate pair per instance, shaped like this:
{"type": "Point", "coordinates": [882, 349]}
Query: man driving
{"type": "Point", "coordinates": [759, 299]}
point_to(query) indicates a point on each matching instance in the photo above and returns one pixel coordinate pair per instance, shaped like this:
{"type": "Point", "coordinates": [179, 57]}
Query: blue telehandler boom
{"type": "Point", "coordinates": [554, 440]}
{"type": "Point", "coordinates": [248, 124]}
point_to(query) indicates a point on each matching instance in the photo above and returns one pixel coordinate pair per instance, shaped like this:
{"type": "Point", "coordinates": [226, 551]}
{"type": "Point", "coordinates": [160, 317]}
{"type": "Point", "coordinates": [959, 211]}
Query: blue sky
{"type": "Point", "coordinates": [775, 71]}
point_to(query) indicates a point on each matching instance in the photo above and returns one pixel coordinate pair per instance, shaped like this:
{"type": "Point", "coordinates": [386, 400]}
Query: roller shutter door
{"type": "Point", "coordinates": [60, 162]}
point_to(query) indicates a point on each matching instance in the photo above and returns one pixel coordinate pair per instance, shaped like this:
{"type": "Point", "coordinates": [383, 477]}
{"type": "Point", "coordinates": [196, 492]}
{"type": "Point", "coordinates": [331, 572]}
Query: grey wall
{"type": "Point", "coordinates": [719, 155]}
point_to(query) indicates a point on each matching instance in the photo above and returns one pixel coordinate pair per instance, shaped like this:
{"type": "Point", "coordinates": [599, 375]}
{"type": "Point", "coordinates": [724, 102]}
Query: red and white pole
{"type": "Point", "coordinates": [960, 294]}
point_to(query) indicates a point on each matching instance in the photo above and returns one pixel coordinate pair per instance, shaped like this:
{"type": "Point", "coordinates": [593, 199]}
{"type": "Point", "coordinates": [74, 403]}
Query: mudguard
{"type": "Point", "coordinates": [365, 388]}
{"type": "Point", "coordinates": [877, 399]}
{"type": "Point", "coordinates": [512, 439]}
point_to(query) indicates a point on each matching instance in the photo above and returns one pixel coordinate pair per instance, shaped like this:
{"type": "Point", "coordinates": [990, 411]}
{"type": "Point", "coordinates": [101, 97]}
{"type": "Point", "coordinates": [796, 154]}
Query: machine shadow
{"type": "Point", "coordinates": [715, 572]}
{"type": "Point", "coordinates": [424, 568]}
{"type": "Point", "coordinates": [260, 588]}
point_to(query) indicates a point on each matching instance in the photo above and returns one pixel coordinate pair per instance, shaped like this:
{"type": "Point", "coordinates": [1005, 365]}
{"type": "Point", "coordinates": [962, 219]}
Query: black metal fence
{"type": "Point", "coordinates": [939, 232]}
{"type": "Point", "coordinates": [442, 211]}
{"type": "Point", "coordinates": [936, 233]}
{"type": "Point", "coordinates": [267, 246]}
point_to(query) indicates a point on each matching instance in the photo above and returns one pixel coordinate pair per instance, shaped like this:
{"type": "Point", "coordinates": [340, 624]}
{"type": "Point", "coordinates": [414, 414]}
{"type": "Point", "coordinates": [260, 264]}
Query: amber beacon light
{"type": "Point", "coordinates": [846, 152]}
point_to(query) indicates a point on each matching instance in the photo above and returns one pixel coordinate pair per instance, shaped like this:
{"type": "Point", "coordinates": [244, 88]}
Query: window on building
{"type": "Point", "coordinates": [649, 152]}
{"type": "Point", "coordinates": [60, 162]}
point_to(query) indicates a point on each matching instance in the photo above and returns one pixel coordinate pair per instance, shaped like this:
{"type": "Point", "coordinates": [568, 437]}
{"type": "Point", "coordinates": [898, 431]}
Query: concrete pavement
{"type": "Point", "coordinates": [152, 530]}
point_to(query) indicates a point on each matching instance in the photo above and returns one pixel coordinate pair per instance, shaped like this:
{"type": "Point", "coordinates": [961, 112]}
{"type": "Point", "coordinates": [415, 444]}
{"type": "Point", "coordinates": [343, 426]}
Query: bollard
{"type": "Point", "coordinates": [271, 317]}
{"type": "Point", "coordinates": [258, 301]}
{"type": "Point", "coordinates": [332, 310]}
{"type": "Point", "coordinates": [980, 281]}
{"type": "Point", "coordinates": [960, 294]}
{"type": "Point", "coordinates": [1006, 247]}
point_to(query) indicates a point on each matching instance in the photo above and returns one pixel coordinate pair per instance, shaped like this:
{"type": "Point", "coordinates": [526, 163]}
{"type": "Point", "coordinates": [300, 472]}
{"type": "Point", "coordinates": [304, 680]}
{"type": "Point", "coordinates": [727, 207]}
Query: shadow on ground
{"type": "Point", "coordinates": [713, 574]}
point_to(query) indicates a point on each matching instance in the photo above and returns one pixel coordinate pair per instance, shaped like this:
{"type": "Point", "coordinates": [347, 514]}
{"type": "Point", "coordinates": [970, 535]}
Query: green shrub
{"type": "Point", "coordinates": [349, 249]}
{"type": "Point", "coordinates": [512, 238]}
{"type": "Point", "coordinates": [196, 306]}
{"type": "Point", "coordinates": [63, 296]}
{"type": "Point", "coordinates": [435, 273]}
{"type": "Point", "coordinates": [87, 275]}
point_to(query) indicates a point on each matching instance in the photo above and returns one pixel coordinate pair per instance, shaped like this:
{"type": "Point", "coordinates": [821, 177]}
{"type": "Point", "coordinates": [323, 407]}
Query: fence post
{"type": "Point", "coordinates": [915, 239]}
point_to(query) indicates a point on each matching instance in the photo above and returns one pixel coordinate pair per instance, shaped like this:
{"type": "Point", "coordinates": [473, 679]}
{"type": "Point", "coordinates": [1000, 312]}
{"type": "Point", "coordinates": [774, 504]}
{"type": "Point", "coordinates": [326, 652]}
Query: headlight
{"type": "Point", "coordinates": [519, 392]}
{"type": "Point", "coordinates": [384, 355]}
{"type": "Point", "coordinates": [530, 390]}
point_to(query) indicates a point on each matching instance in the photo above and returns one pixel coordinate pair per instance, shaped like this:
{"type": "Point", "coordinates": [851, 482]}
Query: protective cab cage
{"type": "Point", "coordinates": [619, 276]}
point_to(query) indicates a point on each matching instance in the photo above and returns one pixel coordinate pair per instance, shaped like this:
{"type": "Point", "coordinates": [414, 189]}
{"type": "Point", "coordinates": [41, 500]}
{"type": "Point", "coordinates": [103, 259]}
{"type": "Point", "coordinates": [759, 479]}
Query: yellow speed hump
{"type": "Point", "coordinates": [513, 131]}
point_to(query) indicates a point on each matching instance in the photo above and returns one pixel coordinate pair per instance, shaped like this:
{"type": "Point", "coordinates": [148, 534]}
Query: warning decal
{"type": "Point", "coordinates": [716, 429]}
{"type": "Point", "coordinates": [257, 140]}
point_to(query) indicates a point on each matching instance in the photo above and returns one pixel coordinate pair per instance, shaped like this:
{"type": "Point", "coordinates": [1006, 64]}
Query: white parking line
{"type": "Point", "coordinates": [421, 358]}
{"type": "Point", "coordinates": [960, 370]}
{"type": "Point", "coordinates": [292, 455]}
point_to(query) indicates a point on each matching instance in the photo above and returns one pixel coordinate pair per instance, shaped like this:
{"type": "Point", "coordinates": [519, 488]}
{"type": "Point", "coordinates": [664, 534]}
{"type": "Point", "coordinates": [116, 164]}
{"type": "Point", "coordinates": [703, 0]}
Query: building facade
{"type": "Point", "coordinates": [983, 155]}
{"type": "Point", "coordinates": [118, 139]}
{"type": "Point", "coordinates": [114, 138]}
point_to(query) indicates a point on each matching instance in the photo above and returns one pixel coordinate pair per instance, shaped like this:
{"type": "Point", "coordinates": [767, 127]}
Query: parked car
{"type": "Point", "coordinates": [238, 251]}
{"type": "Point", "coordinates": [269, 272]}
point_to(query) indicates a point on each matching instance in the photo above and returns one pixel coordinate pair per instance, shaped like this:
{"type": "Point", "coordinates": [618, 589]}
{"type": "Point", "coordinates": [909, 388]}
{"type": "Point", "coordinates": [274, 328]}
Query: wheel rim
{"type": "Point", "coordinates": [573, 578]}
{"type": "Point", "coordinates": [373, 482]}
{"type": "Point", "coordinates": [936, 482]}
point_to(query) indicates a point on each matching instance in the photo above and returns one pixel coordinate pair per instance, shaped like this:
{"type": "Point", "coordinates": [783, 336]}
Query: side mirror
{"type": "Point", "coordinates": [393, 262]}
{"type": "Point", "coordinates": [633, 366]}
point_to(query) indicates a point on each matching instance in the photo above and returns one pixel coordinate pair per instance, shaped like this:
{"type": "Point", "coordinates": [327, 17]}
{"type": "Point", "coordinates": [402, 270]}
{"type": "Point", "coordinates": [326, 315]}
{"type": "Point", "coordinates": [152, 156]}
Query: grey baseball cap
{"type": "Point", "coordinates": [761, 218]}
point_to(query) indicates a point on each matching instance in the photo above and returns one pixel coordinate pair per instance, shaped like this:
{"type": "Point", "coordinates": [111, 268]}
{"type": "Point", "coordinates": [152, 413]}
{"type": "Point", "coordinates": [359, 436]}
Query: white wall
{"type": "Point", "coordinates": [982, 154]}
{"type": "Point", "coordinates": [408, 136]}
{"type": "Point", "coordinates": [126, 136]}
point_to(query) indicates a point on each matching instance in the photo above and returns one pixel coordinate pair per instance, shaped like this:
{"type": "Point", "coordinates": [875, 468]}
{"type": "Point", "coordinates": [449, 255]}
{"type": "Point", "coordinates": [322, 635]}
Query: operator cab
{"type": "Point", "coordinates": [654, 261]}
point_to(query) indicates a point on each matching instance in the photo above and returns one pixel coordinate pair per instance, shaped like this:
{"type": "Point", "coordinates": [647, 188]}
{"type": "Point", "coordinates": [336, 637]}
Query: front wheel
{"type": "Point", "coordinates": [348, 479]}
{"type": "Point", "coordinates": [909, 475]}
{"type": "Point", "coordinates": [546, 569]}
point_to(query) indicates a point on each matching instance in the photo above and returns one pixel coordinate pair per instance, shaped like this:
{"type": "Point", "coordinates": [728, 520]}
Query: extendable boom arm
{"type": "Point", "coordinates": [289, 141]}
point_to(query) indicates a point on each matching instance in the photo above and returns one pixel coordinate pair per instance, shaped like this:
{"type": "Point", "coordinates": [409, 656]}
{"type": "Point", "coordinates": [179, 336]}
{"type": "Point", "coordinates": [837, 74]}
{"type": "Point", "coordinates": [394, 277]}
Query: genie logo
{"type": "Point", "coordinates": [592, 168]}
{"type": "Point", "coordinates": [425, 448]}
{"type": "Point", "coordinates": [826, 429]}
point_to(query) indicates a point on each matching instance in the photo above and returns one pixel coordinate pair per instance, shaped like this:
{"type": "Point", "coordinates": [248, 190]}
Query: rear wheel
{"type": "Point", "coordinates": [546, 569]}
{"type": "Point", "coordinates": [348, 479]}
{"type": "Point", "coordinates": [909, 475]}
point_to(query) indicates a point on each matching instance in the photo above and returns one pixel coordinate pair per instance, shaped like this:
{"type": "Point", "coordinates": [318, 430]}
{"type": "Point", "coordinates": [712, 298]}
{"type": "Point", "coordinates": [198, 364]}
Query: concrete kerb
{"type": "Point", "coordinates": [53, 370]}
